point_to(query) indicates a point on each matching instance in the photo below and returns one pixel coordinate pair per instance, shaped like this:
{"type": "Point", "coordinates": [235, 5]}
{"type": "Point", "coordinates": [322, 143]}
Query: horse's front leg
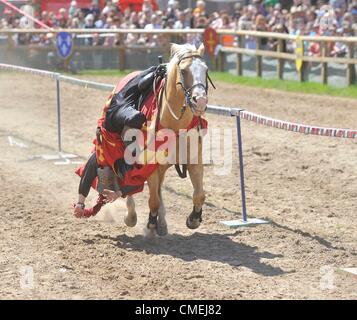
{"type": "Point", "coordinates": [157, 222]}
{"type": "Point", "coordinates": [162, 225]}
{"type": "Point", "coordinates": [130, 218]}
{"type": "Point", "coordinates": [196, 175]}
{"type": "Point", "coordinates": [154, 202]}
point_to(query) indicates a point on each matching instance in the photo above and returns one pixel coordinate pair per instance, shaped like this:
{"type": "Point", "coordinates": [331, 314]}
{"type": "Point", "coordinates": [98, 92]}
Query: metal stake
{"type": "Point", "coordinates": [245, 222]}
{"type": "Point", "coordinates": [240, 154]}
{"type": "Point", "coordinates": [59, 114]}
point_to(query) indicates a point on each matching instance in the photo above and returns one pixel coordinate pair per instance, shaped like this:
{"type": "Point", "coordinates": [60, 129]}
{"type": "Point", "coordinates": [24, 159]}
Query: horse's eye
{"type": "Point", "coordinates": [183, 71]}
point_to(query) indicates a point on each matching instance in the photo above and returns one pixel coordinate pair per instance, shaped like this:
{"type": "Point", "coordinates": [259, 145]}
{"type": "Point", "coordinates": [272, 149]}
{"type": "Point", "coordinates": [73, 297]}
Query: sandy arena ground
{"type": "Point", "coordinates": [306, 186]}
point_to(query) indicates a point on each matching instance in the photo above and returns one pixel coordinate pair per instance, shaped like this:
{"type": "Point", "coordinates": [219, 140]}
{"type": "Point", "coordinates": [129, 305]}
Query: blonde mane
{"type": "Point", "coordinates": [178, 51]}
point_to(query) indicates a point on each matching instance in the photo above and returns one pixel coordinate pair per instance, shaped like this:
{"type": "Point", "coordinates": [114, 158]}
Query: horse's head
{"type": "Point", "coordinates": [192, 75]}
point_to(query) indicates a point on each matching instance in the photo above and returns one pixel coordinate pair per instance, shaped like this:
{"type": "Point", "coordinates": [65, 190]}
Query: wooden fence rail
{"type": "Point", "coordinates": [238, 47]}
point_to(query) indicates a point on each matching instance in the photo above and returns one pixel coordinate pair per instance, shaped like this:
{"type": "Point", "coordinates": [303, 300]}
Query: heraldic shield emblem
{"type": "Point", "coordinates": [64, 44]}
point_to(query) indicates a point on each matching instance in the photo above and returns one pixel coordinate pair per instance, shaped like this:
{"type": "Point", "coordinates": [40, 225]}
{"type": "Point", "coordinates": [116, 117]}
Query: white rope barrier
{"type": "Point", "coordinates": [37, 72]}
{"type": "Point", "coordinates": [297, 127]}
{"type": "Point", "coordinates": [86, 83]}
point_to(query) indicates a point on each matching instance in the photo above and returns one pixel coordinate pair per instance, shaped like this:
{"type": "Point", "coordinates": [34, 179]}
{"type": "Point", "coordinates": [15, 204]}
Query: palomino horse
{"type": "Point", "coordinates": [183, 96]}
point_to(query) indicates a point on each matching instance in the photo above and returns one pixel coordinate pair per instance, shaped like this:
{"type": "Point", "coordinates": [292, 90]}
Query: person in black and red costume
{"type": "Point", "coordinates": [122, 112]}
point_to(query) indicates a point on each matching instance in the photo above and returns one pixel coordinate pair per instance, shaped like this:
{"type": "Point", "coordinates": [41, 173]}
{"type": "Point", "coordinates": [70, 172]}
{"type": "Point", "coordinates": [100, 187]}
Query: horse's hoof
{"type": "Point", "coordinates": [130, 221]}
{"type": "Point", "coordinates": [194, 219]}
{"type": "Point", "coordinates": [162, 229]}
{"type": "Point", "coordinates": [150, 233]}
{"type": "Point", "coordinates": [193, 224]}
{"type": "Point", "coordinates": [152, 226]}
{"type": "Point", "coordinates": [152, 222]}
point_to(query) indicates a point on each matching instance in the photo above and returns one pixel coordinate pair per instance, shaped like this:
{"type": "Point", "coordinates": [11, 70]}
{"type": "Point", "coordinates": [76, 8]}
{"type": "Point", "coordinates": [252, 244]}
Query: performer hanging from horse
{"type": "Point", "coordinates": [121, 112]}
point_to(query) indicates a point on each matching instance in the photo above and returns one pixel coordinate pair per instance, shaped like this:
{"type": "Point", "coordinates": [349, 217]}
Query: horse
{"type": "Point", "coordinates": [183, 96]}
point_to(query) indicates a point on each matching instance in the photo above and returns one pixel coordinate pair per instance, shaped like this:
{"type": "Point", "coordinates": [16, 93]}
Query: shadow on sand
{"type": "Point", "coordinates": [327, 244]}
{"type": "Point", "coordinates": [199, 246]}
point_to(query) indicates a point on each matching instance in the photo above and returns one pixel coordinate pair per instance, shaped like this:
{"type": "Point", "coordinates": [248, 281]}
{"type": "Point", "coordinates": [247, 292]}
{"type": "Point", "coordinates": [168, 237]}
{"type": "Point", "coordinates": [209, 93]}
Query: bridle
{"type": "Point", "coordinates": [188, 91]}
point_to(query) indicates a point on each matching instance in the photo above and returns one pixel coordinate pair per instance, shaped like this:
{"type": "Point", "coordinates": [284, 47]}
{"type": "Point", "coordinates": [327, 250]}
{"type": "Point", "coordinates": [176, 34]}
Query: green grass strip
{"type": "Point", "coordinates": [283, 85]}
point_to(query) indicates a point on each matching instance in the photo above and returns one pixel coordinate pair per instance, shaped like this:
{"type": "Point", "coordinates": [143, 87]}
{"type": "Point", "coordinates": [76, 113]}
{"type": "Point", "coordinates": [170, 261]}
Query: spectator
{"type": "Point", "coordinates": [53, 19]}
{"type": "Point", "coordinates": [273, 43]}
{"type": "Point", "coordinates": [259, 7]}
{"type": "Point", "coordinates": [251, 12]}
{"type": "Point", "coordinates": [200, 9]}
{"type": "Point", "coordinates": [110, 40]}
{"type": "Point", "coordinates": [62, 18]}
{"type": "Point", "coordinates": [94, 9]}
{"type": "Point", "coordinates": [261, 25]}
{"type": "Point", "coordinates": [72, 9]}
{"type": "Point", "coordinates": [325, 17]}
{"type": "Point", "coordinates": [89, 24]}
{"type": "Point", "coordinates": [354, 30]}
{"type": "Point", "coordinates": [101, 22]}
{"type": "Point", "coordinates": [226, 22]}
{"type": "Point", "coordinates": [169, 23]}
{"type": "Point", "coordinates": [45, 19]}
{"type": "Point", "coordinates": [310, 21]}
{"type": "Point", "coordinates": [339, 49]}
{"type": "Point", "coordinates": [156, 23]}
{"type": "Point", "coordinates": [353, 10]}
{"type": "Point", "coordinates": [3, 24]}
{"type": "Point", "coordinates": [107, 8]}
{"type": "Point", "coordinates": [134, 20]}
{"type": "Point", "coordinates": [181, 22]}
{"type": "Point", "coordinates": [201, 22]}
{"type": "Point", "coordinates": [80, 18]}
{"type": "Point", "coordinates": [147, 7]}
{"type": "Point", "coordinates": [237, 12]}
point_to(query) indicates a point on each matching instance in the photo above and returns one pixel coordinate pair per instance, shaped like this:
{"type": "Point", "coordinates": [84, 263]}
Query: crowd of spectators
{"type": "Point", "coordinates": [304, 17]}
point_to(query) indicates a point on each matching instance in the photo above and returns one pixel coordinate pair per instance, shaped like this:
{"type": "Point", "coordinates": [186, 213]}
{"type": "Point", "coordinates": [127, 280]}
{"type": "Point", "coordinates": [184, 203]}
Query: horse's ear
{"type": "Point", "coordinates": [201, 50]}
{"type": "Point", "coordinates": [174, 49]}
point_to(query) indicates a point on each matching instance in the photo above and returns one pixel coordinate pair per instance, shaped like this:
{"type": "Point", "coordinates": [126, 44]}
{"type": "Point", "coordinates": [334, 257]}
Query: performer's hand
{"type": "Point", "coordinates": [79, 210]}
{"type": "Point", "coordinates": [111, 196]}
